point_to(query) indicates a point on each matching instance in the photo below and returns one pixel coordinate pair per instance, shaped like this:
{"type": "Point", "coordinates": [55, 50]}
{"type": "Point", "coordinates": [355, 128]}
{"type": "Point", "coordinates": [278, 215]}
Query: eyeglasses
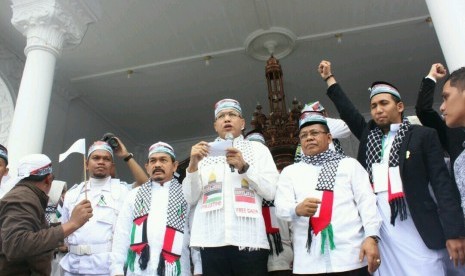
{"type": "Point", "coordinates": [230, 114]}
{"type": "Point", "coordinates": [313, 134]}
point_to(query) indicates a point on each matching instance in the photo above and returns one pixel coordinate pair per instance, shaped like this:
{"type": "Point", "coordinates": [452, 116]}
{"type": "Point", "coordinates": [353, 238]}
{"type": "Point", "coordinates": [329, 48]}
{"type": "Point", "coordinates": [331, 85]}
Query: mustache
{"type": "Point", "coordinates": [157, 170]}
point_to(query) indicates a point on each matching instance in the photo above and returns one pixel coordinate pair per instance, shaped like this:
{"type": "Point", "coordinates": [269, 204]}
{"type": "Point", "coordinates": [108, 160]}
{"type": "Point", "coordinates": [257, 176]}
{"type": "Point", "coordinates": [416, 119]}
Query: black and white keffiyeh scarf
{"type": "Point", "coordinates": [373, 155]}
{"type": "Point", "coordinates": [337, 148]}
{"type": "Point", "coordinates": [329, 160]}
{"type": "Point", "coordinates": [169, 263]}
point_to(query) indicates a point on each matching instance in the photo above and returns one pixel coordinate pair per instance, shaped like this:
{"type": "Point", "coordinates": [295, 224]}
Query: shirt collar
{"type": "Point", "coordinates": [395, 127]}
{"type": "Point", "coordinates": [238, 138]}
{"type": "Point", "coordinates": [105, 187]}
{"type": "Point", "coordinates": [165, 184]}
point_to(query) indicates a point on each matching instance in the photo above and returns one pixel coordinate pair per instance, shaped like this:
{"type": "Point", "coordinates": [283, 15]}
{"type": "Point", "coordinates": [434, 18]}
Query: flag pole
{"type": "Point", "coordinates": [85, 176]}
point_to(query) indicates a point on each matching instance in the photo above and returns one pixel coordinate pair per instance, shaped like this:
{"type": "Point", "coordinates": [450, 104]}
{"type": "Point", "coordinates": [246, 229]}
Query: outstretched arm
{"type": "Point", "coordinates": [345, 107]}
{"type": "Point", "coordinates": [140, 177]}
{"type": "Point", "coordinates": [424, 106]}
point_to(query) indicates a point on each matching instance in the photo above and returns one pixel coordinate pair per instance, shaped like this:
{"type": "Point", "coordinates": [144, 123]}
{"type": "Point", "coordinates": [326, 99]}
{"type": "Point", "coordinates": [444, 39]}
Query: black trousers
{"type": "Point", "coordinates": [229, 260]}
{"type": "Point", "coordinates": [357, 272]}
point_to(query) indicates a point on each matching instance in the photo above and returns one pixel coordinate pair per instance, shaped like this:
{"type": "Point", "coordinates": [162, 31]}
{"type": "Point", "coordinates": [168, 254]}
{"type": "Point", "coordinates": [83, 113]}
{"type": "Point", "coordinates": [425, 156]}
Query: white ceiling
{"type": "Point", "coordinates": [171, 94]}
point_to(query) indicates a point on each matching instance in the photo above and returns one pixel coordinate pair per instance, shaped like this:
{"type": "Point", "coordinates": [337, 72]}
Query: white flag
{"type": "Point", "coordinates": [79, 147]}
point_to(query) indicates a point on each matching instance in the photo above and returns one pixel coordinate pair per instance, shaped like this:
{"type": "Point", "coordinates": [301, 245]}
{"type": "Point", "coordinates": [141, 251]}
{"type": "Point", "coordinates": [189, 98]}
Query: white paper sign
{"type": "Point", "coordinates": [380, 176]}
{"type": "Point", "coordinates": [396, 181]}
{"type": "Point", "coordinates": [219, 148]}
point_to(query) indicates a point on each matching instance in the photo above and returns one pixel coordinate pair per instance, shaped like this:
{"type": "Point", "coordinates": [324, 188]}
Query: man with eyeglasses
{"type": "Point", "coordinates": [328, 198]}
{"type": "Point", "coordinates": [403, 161]}
{"type": "Point", "coordinates": [338, 129]}
{"type": "Point", "coordinates": [27, 242]}
{"type": "Point", "coordinates": [228, 189]}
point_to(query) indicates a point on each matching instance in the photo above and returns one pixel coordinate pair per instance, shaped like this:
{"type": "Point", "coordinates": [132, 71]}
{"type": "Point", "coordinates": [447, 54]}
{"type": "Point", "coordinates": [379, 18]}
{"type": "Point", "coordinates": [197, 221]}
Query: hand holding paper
{"type": "Point", "coordinates": [219, 148]}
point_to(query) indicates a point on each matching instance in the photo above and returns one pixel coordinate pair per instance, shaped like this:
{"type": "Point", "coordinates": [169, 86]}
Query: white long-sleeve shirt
{"type": "Point", "coordinates": [223, 227]}
{"type": "Point", "coordinates": [156, 227]}
{"type": "Point", "coordinates": [98, 231]}
{"type": "Point", "coordinates": [354, 216]}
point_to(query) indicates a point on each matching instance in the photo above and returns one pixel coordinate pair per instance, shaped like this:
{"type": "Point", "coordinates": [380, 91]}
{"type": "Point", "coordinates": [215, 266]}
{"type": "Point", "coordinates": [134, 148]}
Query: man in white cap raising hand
{"type": "Point", "coordinates": [90, 246]}
{"type": "Point", "coordinates": [26, 241]}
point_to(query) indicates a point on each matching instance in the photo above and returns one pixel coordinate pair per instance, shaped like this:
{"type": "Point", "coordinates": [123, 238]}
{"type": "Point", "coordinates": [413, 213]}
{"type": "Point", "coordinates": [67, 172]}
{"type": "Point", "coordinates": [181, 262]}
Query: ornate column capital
{"type": "Point", "coordinates": [51, 24]}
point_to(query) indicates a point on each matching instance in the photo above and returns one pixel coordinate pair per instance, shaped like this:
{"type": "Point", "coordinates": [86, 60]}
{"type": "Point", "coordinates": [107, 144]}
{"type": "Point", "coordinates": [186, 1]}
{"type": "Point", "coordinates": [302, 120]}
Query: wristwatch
{"type": "Point", "coordinates": [244, 169]}
{"type": "Point", "coordinates": [129, 157]}
{"type": "Point", "coordinates": [376, 238]}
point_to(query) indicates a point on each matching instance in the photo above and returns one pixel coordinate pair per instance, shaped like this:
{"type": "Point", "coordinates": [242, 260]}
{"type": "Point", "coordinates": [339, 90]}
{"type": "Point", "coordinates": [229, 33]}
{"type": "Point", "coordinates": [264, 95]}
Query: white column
{"type": "Point", "coordinates": [49, 25]}
{"type": "Point", "coordinates": [449, 23]}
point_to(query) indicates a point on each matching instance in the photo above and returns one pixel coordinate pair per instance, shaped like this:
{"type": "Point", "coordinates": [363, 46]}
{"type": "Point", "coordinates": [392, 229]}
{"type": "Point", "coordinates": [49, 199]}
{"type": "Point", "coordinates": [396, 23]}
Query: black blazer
{"type": "Point", "coordinates": [421, 163]}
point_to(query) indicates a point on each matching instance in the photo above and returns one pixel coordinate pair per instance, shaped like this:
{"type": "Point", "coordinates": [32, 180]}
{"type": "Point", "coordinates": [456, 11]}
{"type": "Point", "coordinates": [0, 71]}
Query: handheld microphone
{"type": "Point", "coordinates": [229, 136]}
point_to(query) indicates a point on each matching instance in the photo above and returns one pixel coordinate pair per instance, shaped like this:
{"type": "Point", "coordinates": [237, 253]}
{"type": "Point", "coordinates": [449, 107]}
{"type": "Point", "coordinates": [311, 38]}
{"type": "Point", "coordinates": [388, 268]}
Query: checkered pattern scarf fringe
{"type": "Point", "coordinates": [329, 160]}
{"type": "Point", "coordinates": [373, 155]}
{"type": "Point", "coordinates": [272, 231]}
{"type": "Point", "coordinates": [169, 262]}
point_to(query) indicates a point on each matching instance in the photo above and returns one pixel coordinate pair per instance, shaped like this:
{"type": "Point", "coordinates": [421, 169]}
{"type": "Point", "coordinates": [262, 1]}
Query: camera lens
{"type": "Point", "coordinates": [111, 140]}
{"type": "Point", "coordinates": [113, 143]}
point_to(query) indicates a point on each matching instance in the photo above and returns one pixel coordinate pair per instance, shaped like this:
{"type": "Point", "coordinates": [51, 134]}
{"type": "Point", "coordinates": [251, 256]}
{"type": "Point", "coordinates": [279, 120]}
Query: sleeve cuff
{"type": "Point", "coordinates": [371, 232]}
{"type": "Point", "coordinates": [294, 215]}
{"type": "Point", "coordinates": [191, 175]}
{"type": "Point", "coordinates": [431, 78]}
{"type": "Point", "coordinates": [117, 272]}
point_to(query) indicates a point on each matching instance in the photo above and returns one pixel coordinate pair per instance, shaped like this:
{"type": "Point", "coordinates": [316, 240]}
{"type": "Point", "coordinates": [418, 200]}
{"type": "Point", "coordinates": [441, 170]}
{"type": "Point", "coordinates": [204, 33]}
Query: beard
{"type": "Point", "coordinates": [384, 125]}
{"type": "Point", "coordinates": [158, 178]}
{"type": "Point", "coordinates": [99, 175]}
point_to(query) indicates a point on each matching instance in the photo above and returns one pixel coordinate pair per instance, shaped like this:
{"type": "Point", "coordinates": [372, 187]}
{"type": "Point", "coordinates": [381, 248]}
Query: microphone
{"type": "Point", "coordinates": [229, 136]}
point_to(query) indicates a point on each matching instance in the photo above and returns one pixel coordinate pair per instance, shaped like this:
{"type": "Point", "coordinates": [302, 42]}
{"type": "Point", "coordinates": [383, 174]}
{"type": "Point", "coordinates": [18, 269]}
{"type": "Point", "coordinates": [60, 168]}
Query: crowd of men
{"type": "Point", "coordinates": [397, 209]}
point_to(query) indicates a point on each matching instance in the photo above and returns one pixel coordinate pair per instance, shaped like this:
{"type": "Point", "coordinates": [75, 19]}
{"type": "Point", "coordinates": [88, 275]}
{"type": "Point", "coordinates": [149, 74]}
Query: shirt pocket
{"type": "Point", "coordinates": [106, 214]}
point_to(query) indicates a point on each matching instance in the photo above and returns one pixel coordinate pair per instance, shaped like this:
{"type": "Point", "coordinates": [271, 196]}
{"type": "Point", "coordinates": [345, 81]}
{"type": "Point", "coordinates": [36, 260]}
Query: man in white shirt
{"type": "Point", "coordinates": [3, 169]}
{"type": "Point", "coordinates": [228, 189]}
{"type": "Point", "coordinates": [151, 236]}
{"type": "Point", "coordinates": [90, 246]}
{"type": "Point", "coordinates": [329, 200]}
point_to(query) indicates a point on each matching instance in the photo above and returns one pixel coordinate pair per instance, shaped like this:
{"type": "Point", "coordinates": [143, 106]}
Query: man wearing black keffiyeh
{"type": "Point", "coordinates": [328, 198]}
{"type": "Point", "coordinates": [403, 160]}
